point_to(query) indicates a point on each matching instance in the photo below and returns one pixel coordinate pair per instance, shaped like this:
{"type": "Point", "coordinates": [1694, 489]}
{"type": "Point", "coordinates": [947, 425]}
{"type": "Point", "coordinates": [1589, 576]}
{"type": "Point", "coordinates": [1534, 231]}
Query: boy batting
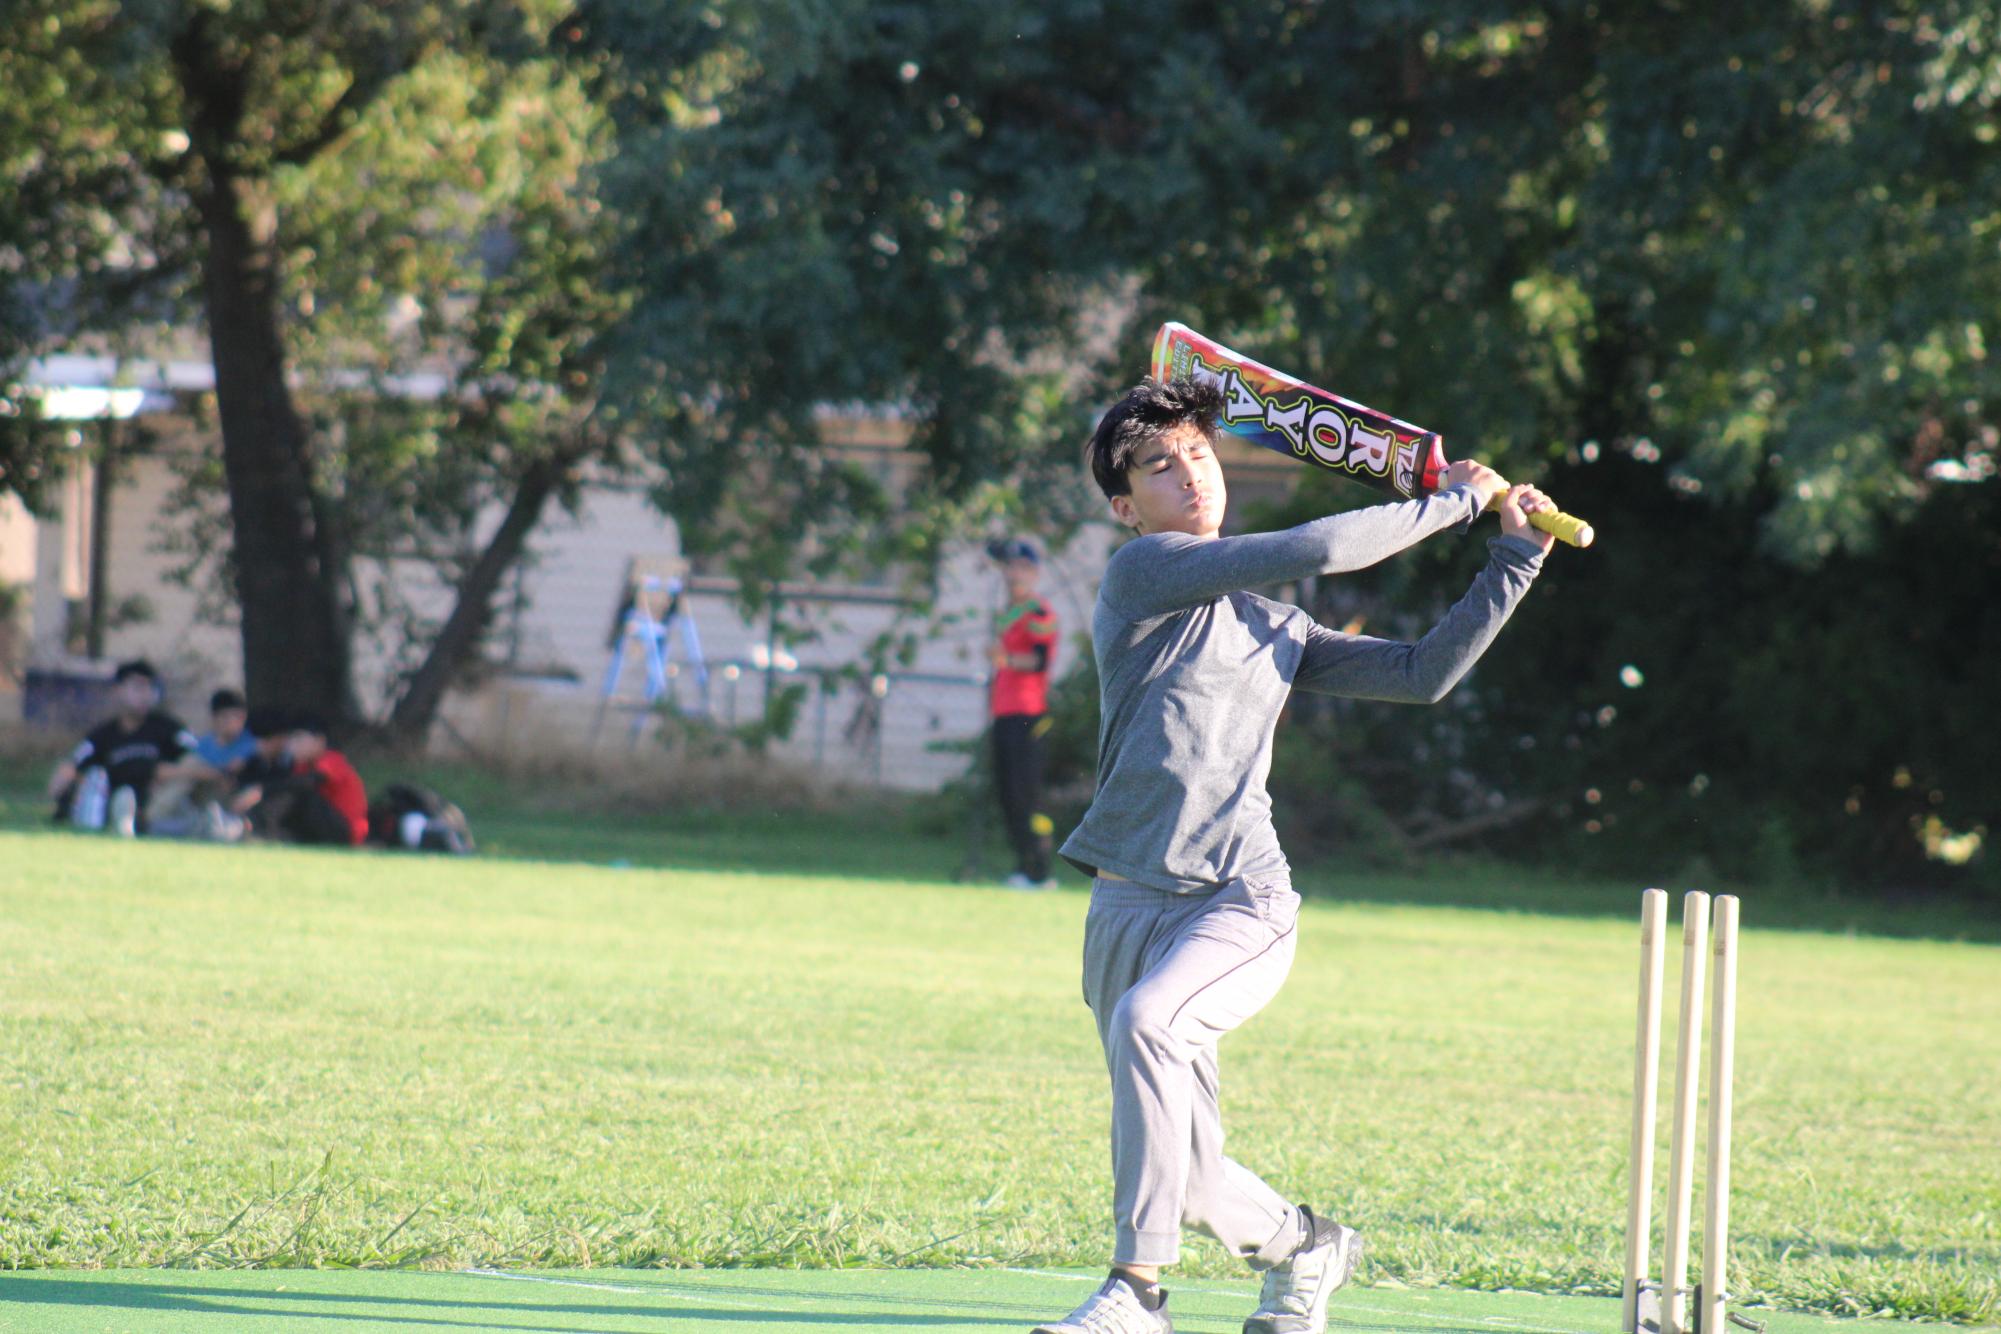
{"type": "Point", "coordinates": [1191, 924]}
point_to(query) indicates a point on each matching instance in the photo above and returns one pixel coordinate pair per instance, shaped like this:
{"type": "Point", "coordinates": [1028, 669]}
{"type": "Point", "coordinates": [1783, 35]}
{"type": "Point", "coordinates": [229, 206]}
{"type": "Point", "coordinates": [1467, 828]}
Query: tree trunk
{"type": "Point", "coordinates": [104, 480]}
{"type": "Point", "coordinates": [286, 572]}
{"type": "Point", "coordinates": [418, 708]}
{"type": "Point", "coordinates": [293, 651]}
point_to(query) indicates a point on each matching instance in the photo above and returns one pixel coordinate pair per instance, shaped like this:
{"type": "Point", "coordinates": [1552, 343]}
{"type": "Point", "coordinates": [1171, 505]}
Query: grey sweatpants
{"type": "Point", "coordinates": [1167, 975]}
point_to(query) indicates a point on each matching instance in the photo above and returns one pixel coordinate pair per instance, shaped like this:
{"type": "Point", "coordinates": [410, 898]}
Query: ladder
{"type": "Point", "coordinates": [654, 606]}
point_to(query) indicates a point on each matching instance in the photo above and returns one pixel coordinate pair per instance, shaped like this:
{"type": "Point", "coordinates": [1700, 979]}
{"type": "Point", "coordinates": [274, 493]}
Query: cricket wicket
{"type": "Point", "coordinates": [1670, 1307]}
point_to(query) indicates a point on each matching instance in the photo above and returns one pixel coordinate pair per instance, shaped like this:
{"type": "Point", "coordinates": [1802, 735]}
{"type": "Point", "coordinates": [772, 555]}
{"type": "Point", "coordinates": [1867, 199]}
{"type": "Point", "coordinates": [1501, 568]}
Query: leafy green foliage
{"type": "Point", "coordinates": [1704, 706]}
{"type": "Point", "coordinates": [850, 203]}
{"type": "Point", "coordinates": [383, 204]}
{"type": "Point", "coordinates": [447, 254]}
{"type": "Point", "coordinates": [1745, 256]}
{"type": "Point", "coordinates": [1749, 250]}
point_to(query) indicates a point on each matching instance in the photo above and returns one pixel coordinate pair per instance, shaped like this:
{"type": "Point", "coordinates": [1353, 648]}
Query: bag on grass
{"type": "Point", "coordinates": [417, 818]}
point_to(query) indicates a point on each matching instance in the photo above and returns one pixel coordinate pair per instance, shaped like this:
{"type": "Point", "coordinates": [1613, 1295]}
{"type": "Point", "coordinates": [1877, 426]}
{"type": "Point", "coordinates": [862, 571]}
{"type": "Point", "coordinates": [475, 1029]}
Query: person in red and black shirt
{"type": "Point", "coordinates": [334, 805]}
{"type": "Point", "coordinates": [1023, 646]}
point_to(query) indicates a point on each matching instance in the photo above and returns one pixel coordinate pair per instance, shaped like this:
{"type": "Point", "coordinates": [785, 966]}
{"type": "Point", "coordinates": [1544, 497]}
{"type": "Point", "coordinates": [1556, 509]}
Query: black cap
{"type": "Point", "coordinates": [136, 667]}
{"type": "Point", "coordinates": [224, 698]}
{"type": "Point", "coordinates": [305, 720]}
{"type": "Point", "coordinates": [1005, 549]}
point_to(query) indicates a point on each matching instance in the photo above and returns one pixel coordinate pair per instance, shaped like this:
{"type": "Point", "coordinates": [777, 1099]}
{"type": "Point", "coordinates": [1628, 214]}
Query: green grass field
{"type": "Point", "coordinates": [226, 1057]}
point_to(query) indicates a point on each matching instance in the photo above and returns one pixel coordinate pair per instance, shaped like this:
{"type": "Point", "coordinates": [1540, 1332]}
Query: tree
{"type": "Point", "coordinates": [469, 180]}
{"type": "Point", "coordinates": [1744, 256]}
{"type": "Point", "coordinates": [852, 203]}
{"type": "Point", "coordinates": [1758, 237]}
{"type": "Point", "coordinates": [300, 175]}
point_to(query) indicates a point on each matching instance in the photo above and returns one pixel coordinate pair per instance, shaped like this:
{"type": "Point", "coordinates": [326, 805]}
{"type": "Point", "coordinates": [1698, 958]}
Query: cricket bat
{"type": "Point", "coordinates": [1273, 409]}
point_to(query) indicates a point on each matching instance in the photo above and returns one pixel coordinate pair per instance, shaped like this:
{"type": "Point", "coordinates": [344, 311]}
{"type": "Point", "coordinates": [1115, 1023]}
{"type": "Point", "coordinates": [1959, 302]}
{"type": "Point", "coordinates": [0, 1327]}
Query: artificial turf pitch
{"type": "Point", "coordinates": [319, 1301]}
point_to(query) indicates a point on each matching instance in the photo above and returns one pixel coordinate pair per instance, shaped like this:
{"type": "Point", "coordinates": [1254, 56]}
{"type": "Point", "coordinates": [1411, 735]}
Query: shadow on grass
{"type": "Point", "coordinates": [476, 1313]}
{"type": "Point", "coordinates": [689, 1309]}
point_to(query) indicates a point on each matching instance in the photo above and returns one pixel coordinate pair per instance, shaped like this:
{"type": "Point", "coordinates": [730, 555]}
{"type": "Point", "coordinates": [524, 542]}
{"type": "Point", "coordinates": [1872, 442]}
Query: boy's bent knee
{"type": "Point", "coordinates": [1145, 1024]}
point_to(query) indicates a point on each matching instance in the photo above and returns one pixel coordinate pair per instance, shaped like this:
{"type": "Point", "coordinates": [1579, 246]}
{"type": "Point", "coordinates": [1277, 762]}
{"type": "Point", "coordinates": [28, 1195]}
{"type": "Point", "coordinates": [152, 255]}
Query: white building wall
{"type": "Point", "coordinates": [17, 541]}
{"type": "Point", "coordinates": [896, 731]}
{"type": "Point", "coordinates": [194, 653]}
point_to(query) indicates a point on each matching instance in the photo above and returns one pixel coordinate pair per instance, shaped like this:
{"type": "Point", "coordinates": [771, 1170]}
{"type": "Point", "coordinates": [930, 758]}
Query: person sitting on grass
{"type": "Point", "coordinates": [267, 771]}
{"type": "Point", "coordinates": [109, 777]}
{"type": "Point", "coordinates": [332, 803]}
{"type": "Point", "coordinates": [297, 788]}
{"type": "Point", "coordinates": [227, 745]}
{"type": "Point", "coordinates": [190, 806]}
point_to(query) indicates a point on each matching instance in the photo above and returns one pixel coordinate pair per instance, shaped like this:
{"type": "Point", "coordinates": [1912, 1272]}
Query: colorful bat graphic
{"type": "Point", "coordinates": [1271, 408]}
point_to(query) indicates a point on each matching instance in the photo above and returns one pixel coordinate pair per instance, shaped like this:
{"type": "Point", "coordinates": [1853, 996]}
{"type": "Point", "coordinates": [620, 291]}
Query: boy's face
{"type": "Point", "coordinates": [136, 695]}
{"type": "Point", "coordinates": [1177, 486]}
{"type": "Point", "coordinates": [307, 746]}
{"type": "Point", "coordinates": [1021, 577]}
{"type": "Point", "coordinates": [228, 723]}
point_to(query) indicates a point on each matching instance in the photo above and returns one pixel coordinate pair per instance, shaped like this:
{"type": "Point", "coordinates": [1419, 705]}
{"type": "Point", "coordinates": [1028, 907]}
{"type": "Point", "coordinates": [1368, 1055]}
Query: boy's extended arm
{"type": "Point", "coordinates": [65, 774]}
{"type": "Point", "coordinates": [71, 767]}
{"type": "Point", "coordinates": [1421, 673]}
{"type": "Point", "coordinates": [1184, 571]}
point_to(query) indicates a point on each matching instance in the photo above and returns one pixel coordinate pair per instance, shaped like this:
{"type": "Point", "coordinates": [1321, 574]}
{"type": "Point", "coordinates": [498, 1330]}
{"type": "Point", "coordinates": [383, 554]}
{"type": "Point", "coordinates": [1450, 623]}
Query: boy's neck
{"type": "Point", "coordinates": [1141, 530]}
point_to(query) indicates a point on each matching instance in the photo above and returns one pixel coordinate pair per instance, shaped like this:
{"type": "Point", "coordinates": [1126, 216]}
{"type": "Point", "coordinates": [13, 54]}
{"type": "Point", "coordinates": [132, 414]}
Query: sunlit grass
{"type": "Point", "coordinates": [245, 1056]}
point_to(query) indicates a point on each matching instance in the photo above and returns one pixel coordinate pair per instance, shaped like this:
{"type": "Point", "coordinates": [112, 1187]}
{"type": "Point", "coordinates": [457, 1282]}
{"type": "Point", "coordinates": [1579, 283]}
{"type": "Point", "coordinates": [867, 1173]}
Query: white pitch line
{"type": "Point", "coordinates": [608, 1287]}
{"type": "Point", "coordinates": [1497, 1321]}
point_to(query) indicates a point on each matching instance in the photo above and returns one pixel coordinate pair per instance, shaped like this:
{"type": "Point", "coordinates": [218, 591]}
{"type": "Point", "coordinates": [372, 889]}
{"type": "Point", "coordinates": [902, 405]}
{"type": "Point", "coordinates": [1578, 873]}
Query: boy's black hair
{"type": "Point", "coordinates": [1150, 410]}
{"type": "Point", "coordinates": [136, 667]}
{"type": "Point", "coordinates": [224, 698]}
{"type": "Point", "coordinates": [305, 720]}
{"type": "Point", "coordinates": [266, 722]}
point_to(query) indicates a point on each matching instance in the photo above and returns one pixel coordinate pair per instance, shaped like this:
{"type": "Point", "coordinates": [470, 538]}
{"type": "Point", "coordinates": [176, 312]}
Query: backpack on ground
{"type": "Point", "coordinates": [417, 819]}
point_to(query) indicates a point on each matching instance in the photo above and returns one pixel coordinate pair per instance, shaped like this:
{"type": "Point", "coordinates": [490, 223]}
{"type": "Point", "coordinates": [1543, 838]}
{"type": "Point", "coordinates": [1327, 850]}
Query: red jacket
{"type": "Point", "coordinates": [342, 788]}
{"type": "Point", "coordinates": [1025, 628]}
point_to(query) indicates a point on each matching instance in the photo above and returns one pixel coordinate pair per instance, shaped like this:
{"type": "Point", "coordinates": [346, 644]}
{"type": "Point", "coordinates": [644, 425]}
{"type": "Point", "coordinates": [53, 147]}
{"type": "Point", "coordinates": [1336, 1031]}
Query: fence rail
{"type": "Point", "coordinates": [911, 730]}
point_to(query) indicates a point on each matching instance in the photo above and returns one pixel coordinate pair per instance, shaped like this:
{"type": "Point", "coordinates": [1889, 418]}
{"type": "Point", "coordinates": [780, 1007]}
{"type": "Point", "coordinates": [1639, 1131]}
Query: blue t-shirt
{"type": "Point", "coordinates": [216, 755]}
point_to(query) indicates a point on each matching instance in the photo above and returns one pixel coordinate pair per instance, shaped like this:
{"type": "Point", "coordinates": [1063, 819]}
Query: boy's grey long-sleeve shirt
{"type": "Point", "coordinates": [1193, 672]}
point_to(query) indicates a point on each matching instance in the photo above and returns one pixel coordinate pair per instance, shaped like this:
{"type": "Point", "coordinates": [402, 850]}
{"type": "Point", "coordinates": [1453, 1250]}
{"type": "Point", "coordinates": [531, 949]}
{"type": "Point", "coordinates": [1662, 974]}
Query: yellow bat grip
{"type": "Point", "coordinates": [1563, 527]}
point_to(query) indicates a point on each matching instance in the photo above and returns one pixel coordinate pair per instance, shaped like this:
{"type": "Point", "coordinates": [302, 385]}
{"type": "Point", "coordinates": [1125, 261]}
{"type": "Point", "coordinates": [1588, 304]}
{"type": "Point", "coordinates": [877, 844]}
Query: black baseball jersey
{"type": "Point", "coordinates": [130, 757]}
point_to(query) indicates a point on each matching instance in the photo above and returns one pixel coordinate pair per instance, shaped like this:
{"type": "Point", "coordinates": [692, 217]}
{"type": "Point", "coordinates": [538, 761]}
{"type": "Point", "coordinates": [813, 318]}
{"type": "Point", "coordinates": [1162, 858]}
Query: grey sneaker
{"type": "Point", "coordinates": [1294, 1300]}
{"type": "Point", "coordinates": [1113, 1309]}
